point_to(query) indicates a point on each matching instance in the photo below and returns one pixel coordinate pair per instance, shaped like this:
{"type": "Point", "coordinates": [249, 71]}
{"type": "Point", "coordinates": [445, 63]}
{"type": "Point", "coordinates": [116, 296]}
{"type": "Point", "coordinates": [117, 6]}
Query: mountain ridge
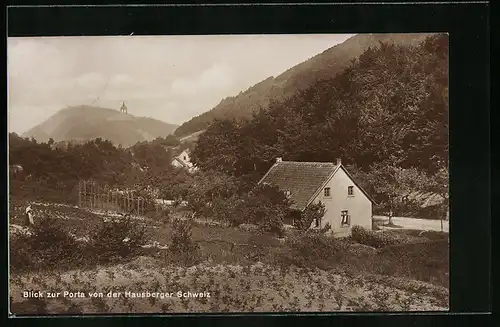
{"type": "Point", "coordinates": [319, 67]}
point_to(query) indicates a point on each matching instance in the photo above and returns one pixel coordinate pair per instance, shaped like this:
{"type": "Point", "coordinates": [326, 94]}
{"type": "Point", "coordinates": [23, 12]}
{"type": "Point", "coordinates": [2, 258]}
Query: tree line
{"type": "Point", "coordinates": [65, 163]}
{"type": "Point", "coordinates": [385, 115]}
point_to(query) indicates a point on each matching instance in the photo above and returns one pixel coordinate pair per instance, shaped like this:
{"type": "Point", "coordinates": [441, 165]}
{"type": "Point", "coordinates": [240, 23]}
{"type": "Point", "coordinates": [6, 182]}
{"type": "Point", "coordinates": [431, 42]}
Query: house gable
{"type": "Point", "coordinates": [344, 200]}
{"type": "Point", "coordinates": [327, 181]}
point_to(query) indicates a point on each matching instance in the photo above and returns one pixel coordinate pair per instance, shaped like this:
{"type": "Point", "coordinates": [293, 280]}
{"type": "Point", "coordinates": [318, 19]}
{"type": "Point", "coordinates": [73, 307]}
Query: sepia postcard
{"type": "Point", "coordinates": [228, 174]}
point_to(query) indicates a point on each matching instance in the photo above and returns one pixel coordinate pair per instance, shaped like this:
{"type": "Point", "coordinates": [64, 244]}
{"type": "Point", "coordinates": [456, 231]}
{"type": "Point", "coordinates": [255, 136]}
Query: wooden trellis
{"type": "Point", "coordinates": [94, 196]}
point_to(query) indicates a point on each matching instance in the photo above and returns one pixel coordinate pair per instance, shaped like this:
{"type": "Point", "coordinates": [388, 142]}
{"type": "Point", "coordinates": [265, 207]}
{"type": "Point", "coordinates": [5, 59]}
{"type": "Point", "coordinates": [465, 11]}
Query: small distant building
{"type": "Point", "coordinates": [183, 161]}
{"type": "Point", "coordinates": [305, 183]}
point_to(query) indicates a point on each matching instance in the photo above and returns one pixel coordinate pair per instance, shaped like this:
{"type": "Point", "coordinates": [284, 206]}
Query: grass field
{"type": "Point", "coordinates": [243, 271]}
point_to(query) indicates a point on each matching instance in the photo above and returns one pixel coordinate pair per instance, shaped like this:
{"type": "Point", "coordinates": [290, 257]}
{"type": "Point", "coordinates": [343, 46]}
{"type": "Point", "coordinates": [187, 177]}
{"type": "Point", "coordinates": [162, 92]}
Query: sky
{"type": "Point", "coordinates": [170, 78]}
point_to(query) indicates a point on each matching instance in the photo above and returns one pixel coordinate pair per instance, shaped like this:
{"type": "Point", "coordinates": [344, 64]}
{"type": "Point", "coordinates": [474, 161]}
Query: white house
{"type": "Point", "coordinates": [346, 203]}
{"type": "Point", "coordinates": [183, 161]}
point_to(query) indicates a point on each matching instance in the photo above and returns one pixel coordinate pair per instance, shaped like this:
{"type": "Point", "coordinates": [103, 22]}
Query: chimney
{"type": "Point", "coordinates": [339, 161]}
{"type": "Point", "coordinates": [279, 159]}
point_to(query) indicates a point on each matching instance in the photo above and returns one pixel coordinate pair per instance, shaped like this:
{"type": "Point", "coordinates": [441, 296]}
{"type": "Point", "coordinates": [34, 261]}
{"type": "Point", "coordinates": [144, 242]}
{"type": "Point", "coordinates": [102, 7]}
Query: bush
{"type": "Point", "coordinates": [118, 237]}
{"type": "Point", "coordinates": [182, 247]}
{"type": "Point", "coordinates": [310, 214]}
{"type": "Point", "coordinates": [380, 239]}
{"type": "Point", "coordinates": [161, 215]}
{"type": "Point", "coordinates": [264, 207]}
{"type": "Point", "coordinates": [311, 249]}
{"type": "Point", "coordinates": [48, 246]}
{"type": "Point", "coordinates": [227, 211]}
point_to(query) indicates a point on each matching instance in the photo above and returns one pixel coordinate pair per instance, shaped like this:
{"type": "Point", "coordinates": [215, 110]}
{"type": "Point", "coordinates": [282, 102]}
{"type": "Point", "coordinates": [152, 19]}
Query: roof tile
{"type": "Point", "coordinates": [301, 179]}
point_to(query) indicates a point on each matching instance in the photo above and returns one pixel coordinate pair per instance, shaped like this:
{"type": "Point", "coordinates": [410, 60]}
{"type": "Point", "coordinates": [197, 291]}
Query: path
{"type": "Point", "coordinates": [414, 223]}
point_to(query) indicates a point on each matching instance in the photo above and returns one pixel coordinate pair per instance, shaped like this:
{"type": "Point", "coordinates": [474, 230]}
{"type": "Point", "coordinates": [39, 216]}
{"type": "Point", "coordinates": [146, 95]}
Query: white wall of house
{"type": "Point", "coordinates": [358, 206]}
{"type": "Point", "coordinates": [184, 157]}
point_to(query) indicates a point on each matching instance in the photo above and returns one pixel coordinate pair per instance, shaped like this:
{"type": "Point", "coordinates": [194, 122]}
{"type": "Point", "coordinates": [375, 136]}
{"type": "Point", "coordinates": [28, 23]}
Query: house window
{"type": "Point", "coordinates": [346, 219]}
{"type": "Point", "coordinates": [184, 158]}
{"type": "Point", "coordinates": [327, 191]}
{"type": "Point", "coordinates": [350, 190]}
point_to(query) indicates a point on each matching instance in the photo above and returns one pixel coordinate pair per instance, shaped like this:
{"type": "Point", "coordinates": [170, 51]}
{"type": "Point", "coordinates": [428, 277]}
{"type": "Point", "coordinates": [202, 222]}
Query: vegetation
{"type": "Point", "coordinates": [182, 246]}
{"type": "Point", "coordinates": [323, 66]}
{"type": "Point", "coordinates": [313, 212]}
{"type": "Point", "coordinates": [392, 103]}
{"type": "Point", "coordinates": [50, 169]}
{"type": "Point", "coordinates": [118, 237]}
{"type": "Point", "coordinates": [52, 246]}
{"type": "Point", "coordinates": [49, 246]}
{"type": "Point", "coordinates": [380, 239]}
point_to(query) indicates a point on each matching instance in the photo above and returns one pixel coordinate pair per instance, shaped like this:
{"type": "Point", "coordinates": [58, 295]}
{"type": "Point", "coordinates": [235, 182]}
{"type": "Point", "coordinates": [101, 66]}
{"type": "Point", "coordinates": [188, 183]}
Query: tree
{"type": "Point", "coordinates": [440, 185]}
{"type": "Point", "coordinates": [216, 148]}
{"type": "Point", "coordinates": [392, 183]}
{"type": "Point", "coordinates": [313, 212]}
{"type": "Point", "coordinates": [207, 186]}
{"type": "Point", "coordinates": [391, 104]}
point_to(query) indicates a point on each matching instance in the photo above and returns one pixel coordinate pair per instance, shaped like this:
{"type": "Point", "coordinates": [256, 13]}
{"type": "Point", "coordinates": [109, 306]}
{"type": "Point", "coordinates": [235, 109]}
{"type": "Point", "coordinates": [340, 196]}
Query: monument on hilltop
{"type": "Point", "coordinates": [124, 108]}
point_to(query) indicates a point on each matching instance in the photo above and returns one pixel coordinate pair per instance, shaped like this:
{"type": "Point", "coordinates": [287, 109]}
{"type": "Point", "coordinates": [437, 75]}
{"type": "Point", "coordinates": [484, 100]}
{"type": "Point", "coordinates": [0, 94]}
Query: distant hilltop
{"type": "Point", "coordinates": [83, 123]}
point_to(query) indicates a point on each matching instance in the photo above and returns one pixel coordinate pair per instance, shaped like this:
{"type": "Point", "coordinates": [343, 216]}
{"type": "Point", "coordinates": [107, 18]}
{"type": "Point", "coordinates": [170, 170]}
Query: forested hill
{"type": "Point", "coordinates": [386, 116]}
{"type": "Point", "coordinates": [85, 123]}
{"type": "Point", "coordinates": [322, 66]}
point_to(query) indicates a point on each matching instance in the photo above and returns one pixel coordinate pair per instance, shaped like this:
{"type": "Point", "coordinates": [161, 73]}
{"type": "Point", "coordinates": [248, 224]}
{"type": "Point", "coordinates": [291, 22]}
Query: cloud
{"type": "Point", "coordinates": [216, 77]}
{"type": "Point", "coordinates": [171, 78]}
{"type": "Point", "coordinates": [122, 81]}
{"type": "Point", "coordinates": [36, 59]}
{"type": "Point", "coordinates": [91, 81]}
{"type": "Point", "coordinates": [183, 87]}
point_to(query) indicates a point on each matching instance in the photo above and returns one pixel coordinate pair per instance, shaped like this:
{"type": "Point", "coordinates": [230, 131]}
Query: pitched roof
{"type": "Point", "coordinates": [302, 179]}
{"type": "Point", "coordinates": [179, 161]}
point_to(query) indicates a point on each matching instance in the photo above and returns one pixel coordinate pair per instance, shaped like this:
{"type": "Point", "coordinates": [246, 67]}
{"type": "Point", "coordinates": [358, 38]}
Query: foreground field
{"type": "Point", "coordinates": [243, 271]}
{"type": "Point", "coordinates": [227, 288]}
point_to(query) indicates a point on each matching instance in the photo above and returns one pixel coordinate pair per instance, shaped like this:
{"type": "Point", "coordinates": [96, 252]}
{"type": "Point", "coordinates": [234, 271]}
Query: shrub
{"type": "Point", "coordinates": [182, 247]}
{"type": "Point", "coordinates": [227, 211]}
{"type": "Point", "coordinates": [380, 239]}
{"type": "Point", "coordinates": [312, 249]}
{"type": "Point", "coordinates": [265, 206]}
{"type": "Point", "coordinates": [313, 212]}
{"type": "Point", "coordinates": [120, 237]}
{"type": "Point", "coordinates": [248, 227]}
{"type": "Point", "coordinates": [161, 215]}
{"type": "Point", "coordinates": [48, 246]}
{"type": "Point", "coordinates": [21, 253]}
